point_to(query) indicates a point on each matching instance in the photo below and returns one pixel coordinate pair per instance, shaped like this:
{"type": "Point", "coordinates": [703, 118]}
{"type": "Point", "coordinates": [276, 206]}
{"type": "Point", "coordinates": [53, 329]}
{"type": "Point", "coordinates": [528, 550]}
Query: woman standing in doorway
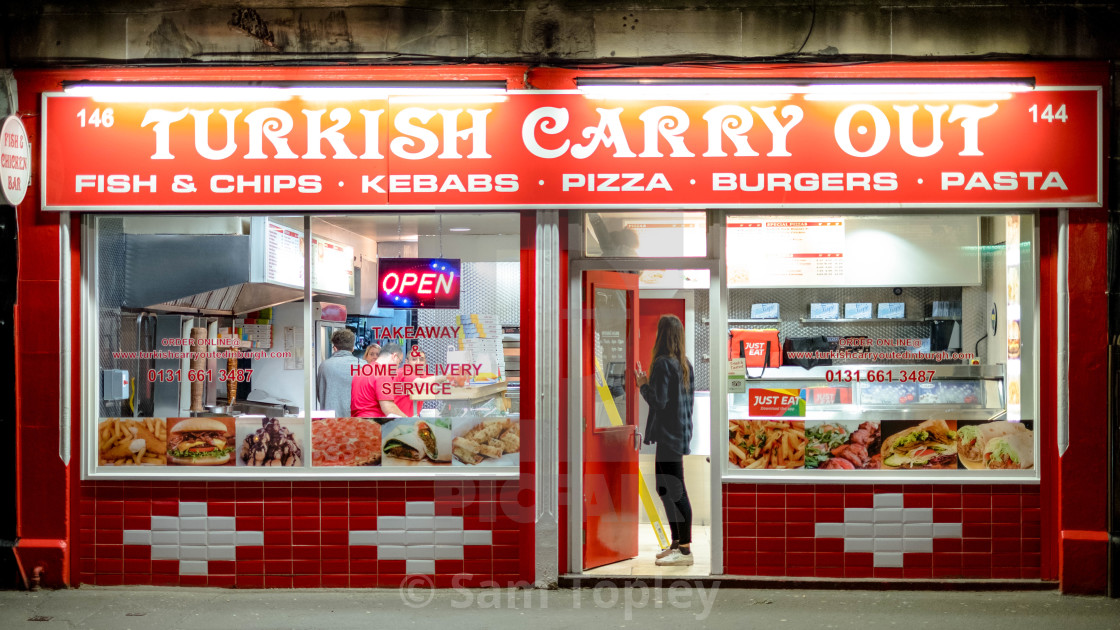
{"type": "Point", "coordinates": [668, 390]}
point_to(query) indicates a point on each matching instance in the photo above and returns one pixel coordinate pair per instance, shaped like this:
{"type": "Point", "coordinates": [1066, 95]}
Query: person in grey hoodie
{"type": "Point", "coordinates": [334, 376]}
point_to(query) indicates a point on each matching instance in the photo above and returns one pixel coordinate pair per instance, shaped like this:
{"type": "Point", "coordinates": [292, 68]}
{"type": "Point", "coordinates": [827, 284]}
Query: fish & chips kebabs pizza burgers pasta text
{"type": "Point", "coordinates": [199, 442]}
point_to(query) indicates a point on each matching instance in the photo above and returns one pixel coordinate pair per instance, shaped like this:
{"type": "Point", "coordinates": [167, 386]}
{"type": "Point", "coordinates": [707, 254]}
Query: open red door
{"type": "Point", "coordinates": [610, 415]}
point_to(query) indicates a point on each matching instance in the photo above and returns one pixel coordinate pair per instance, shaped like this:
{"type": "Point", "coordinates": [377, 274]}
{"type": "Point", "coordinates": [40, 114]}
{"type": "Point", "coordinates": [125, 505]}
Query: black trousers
{"type": "Point", "coordinates": [669, 470]}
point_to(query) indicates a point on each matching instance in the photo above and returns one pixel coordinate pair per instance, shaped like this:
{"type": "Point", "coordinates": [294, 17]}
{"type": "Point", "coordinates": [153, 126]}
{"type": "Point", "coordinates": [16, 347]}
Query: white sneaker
{"type": "Point", "coordinates": [675, 559]}
{"type": "Point", "coordinates": [664, 552]}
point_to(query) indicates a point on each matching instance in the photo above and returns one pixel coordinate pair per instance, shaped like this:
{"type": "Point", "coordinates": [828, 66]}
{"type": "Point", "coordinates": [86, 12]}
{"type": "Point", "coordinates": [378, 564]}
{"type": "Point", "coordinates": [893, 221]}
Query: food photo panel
{"type": "Point", "coordinates": [417, 442]}
{"type": "Point", "coordinates": [478, 441]}
{"type": "Point", "coordinates": [995, 445]}
{"type": "Point", "coordinates": [914, 445]}
{"type": "Point", "coordinates": [269, 442]}
{"type": "Point", "coordinates": [345, 442]}
{"type": "Point", "coordinates": [844, 445]}
{"type": "Point", "coordinates": [132, 442]}
{"type": "Point", "coordinates": [767, 444]}
{"type": "Point", "coordinates": [200, 441]}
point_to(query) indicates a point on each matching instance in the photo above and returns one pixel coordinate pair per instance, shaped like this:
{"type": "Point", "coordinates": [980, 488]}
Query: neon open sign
{"type": "Point", "coordinates": [418, 283]}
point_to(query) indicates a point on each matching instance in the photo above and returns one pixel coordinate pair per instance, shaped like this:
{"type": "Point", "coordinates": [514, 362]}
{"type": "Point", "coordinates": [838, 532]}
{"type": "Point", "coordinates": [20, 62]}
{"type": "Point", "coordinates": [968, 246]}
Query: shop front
{"type": "Point", "coordinates": [875, 267]}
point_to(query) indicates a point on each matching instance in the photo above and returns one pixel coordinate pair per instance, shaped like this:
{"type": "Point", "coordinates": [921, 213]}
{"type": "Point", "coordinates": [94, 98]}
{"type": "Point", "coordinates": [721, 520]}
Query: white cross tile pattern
{"type": "Point", "coordinates": [888, 530]}
{"type": "Point", "coordinates": [420, 537]}
{"type": "Point", "coordinates": [193, 538]}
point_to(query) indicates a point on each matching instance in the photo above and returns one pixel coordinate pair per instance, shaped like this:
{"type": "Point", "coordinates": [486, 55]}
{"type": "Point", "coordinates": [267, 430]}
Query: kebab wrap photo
{"type": "Point", "coordinates": [436, 439]}
{"type": "Point", "coordinates": [931, 444]}
{"type": "Point", "coordinates": [972, 439]}
{"type": "Point", "coordinates": [1010, 452]}
{"type": "Point", "coordinates": [403, 442]}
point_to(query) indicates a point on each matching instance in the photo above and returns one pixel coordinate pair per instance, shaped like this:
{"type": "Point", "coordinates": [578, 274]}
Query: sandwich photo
{"type": "Point", "coordinates": [1014, 451]}
{"type": "Point", "coordinates": [414, 442]}
{"type": "Point", "coordinates": [931, 444]}
{"type": "Point", "coordinates": [973, 439]}
{"type": "Point", "coordinates": [199, 442]}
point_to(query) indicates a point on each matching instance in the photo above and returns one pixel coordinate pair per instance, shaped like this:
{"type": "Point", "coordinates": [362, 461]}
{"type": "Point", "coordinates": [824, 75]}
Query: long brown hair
{"type": "Point", "coordinates": [670, 342]}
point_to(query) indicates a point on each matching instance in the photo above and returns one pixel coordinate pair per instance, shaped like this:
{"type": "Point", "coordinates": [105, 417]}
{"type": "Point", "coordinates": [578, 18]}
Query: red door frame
{"type": "Point", "coordinates": [610, 454]}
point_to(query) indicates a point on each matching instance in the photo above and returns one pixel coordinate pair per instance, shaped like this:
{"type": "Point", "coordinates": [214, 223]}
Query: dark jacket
{"type": "Point", "coordinates": [669, 424]}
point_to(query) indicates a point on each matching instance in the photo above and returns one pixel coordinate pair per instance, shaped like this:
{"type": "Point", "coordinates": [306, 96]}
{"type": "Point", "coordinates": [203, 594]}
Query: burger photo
{"type": "Point", "coordinates": [199, 442]}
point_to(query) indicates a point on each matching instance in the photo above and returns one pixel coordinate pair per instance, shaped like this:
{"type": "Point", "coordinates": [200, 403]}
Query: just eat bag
{"type": "Point", "coordinates": [760, 347]}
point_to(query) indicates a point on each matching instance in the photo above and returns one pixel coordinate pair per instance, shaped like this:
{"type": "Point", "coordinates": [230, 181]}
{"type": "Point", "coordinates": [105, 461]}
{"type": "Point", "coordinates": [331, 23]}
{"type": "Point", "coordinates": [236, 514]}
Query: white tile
{"type": "Point", "coordinates": [221, 524]}
{"type": "Point", "coordinates": [193, 523]}
{"type": "Point", "coordinates": [192, 552]}
{"type": "Point", "coordinates": [420, 552]}
{"type": "Point", "coordinates": [918, 530]}
{"type": "Point", "coordinates": [165, 552]}
{"type": "Point", "coordinates": [250, 538]}
{"type": "Point", "coordinates": [887, 559]}
{"type": "Point", "coordinates": [830, 530]}
{"type": "Point", "coordinates": [192, 538]}
{"type": "Point", "coordinates": [478, 537]}
{"type": "Point", "coordinates": [222, 552]}
{"type": "Point", "coordinates": [365, 538]}
{"type": "Point", "coordinates": [859, 515]}
{"type": "Point", "coordinates": [449, 538]}
{"type": "Point", "coordinates": [420, 567]}
{"type": "Point", "coordinates": [888, 530]}
{"type": "Point", "coordinates": [947, 530]}
{"type": "Point", "coordinates": [918, 515]}
{"type": "Point", "coordinates": [449, 552]}
{"type": "Point", "coordinates": [420, 508]}
{"type": "Point", "coordinates": [859, 530]}
{"type": "Point", "coordinates": [165, 538]}
{"type": "Point", "coordinates": [391, 538]}
{"type": "Point", "coordinates": [449, 523]}
{"type": "Point", "coordinates": [917, 545]}
{"type": "Point", "coordinates": [165, 523]}
{"type": "Point", "coordinates": [221, 538]}
{"type": "Point", "coordinates": [192, 509]}
{"type": "Point", "coordinates": [888, 500]}
{"type": "Point", "coordinates": [859, 544]}
{"type": "Point", "coordinates": [413, 523]}
{"type": "Point", "coordinates": [391, 552]}
{"type": "Point", "coordinates": [888, 544]}
{"type": "Point", "coordinates": [888, 515]}
{"type": "Point", "coordinates": [193, 567]}
{"type": "Point", "coordinates": [423, 537]}
{"type": "Point", "coordinates": [137, 537]}
{"type": "Point", "coordinates": [390, 523]}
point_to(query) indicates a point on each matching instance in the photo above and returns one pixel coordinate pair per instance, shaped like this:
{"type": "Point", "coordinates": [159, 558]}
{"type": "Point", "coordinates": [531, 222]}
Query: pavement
{"type": "Point", "coordinates": [677, 605]}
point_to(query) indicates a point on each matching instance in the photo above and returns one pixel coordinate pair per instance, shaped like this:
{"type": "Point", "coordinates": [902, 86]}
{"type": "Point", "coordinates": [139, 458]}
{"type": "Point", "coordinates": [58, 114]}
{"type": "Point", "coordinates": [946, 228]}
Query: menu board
{"type": "Point", "coordinates": [780, 251]}
{"type": "Point", "coordinates": [333, 268]}
{"type": "Point", "coordinates": [283, 255]}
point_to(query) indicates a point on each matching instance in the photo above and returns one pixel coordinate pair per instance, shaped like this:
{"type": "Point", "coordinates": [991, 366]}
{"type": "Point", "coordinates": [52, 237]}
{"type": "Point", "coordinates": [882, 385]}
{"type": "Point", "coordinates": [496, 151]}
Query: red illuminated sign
{"type": "Point", "coordinates": [1038, 148]}
{"type": "Point", "coordinates": [418, 283]}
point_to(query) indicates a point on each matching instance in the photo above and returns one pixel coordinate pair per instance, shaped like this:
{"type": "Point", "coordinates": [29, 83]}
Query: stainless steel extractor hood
{"type": "Point", "coordinates": [207, 274]}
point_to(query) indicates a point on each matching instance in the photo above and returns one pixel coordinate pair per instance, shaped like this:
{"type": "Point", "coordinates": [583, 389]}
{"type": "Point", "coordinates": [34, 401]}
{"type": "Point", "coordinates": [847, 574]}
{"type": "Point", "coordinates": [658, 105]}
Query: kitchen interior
{"type": "Point", "coordinates": [161, 279]}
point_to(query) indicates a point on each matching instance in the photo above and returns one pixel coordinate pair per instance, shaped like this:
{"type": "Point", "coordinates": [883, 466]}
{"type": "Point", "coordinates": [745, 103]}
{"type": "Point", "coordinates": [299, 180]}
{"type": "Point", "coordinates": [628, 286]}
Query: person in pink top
{"type": "Point", "coordinates": [416, 357]}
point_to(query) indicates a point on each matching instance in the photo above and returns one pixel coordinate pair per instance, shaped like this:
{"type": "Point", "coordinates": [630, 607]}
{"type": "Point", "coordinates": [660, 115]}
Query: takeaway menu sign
{"type": "Point", "coordinates": [1040, 147]}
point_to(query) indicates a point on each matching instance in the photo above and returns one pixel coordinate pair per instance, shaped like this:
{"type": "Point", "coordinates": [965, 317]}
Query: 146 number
{"type": "Point", "coordinates": [97, 118]}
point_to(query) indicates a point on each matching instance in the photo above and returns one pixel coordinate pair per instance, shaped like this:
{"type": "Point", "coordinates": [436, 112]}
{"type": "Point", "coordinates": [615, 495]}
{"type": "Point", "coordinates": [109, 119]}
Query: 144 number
{"type": "Point", "coordinates": [97, 118]}
{"type": "Point", "coordinates": [1049, 114]}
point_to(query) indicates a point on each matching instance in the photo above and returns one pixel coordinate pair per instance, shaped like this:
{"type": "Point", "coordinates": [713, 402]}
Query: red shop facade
{"type": "Point", "coordinates": [938, 225]}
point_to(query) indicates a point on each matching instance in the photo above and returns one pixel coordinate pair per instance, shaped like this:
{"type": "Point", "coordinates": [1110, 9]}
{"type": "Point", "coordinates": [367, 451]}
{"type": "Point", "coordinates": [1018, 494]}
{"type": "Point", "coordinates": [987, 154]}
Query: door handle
{"type": "Point", "coordinates": [637, 441]}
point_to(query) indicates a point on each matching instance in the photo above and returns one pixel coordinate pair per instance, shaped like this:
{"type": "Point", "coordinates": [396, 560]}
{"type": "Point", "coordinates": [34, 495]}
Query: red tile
{"type": "Point", "coordinates": [864, 560]}
{"type": "Point", "coordinates": [830, 545]}
{"type": "Point", "coordinates": [947, 515]}
{"type": "Point", "coordinates": [829, 500]}
{"type": "Point", "coordinates": [334, 552]}
{"type": "Point", "coordinates": [800, 530]}
{"type": "Point", "coordinates": [977, 501]}
{"type": "Point", "coordinates": [974, 530]}
{"type": "Point", "coordinates": [165, 508]}
{"type": "Point", "coordinates": [888, 572]}
{"type": "Point", "coordinates": [1007, 545]}
{"type": "Point", "coordinates": [137, 522]}
{"type": "Point", "coordinates": [222, 567]}
{"type": "Point", "coordinates": [222, 508]}
{"type": "Point", "coordinates": [337, 567]}
{"type": "Point", "coordinates": [947, 572]}
{"type": "Point", "coordinates": [363, 553]}
{"type": "Point", "coordinates": [307, 581]}
{"type": "Point", "coordinates": [800, 544]}
{"type": "Point", "coordinates": [976, 560]}
{"type": "Point", "coordinates": [278, 567]}
{"type": "Point", "coordinates": [770, 559]}
{"type": "Point", "coordinates": [947, 545]}
{"type": "Point", "coordinates": [919, 501]}
{"type": "Point", "coordinates": [277, 508]}
{"type": "Point", "coordinates": [222, 581]}
{"type": "Point", "coordinates": [250, 581]}
{"type": "Point", "coordinates": [277, 524]}
{"type": "Point", "coordinates": [307, 567]}
{"type": "Point", "coordinates": [829, 572]}
{"type": "Point", "coordinates": [771, 530]}
{"type": "Point", "coordinates": [109, 565]}
{"type": "Point", "coordinates": [169, 567]}
{"type": "Point", "coordinates": [364, 581]}
{"type": "Point", "coordinates": [249, 553]}
{"type": "Point", "coordinates": [800, 559]}
{"type": "Point", "coordinates": [278, 538]}
{"type": "Point", "coordinates": [134, 567]}
{"type": "Point", "coordinates": [856, 572]}
{"type": "Point", "coordinates": [306, 552]}
{"type": "Point", "coordinates": [138, 508]}
{"type": "Point", "coordinates": [137, 552]}
{"type": "Point", "coordinates": [946, 500]}
{"type": "Point", "coordinates": [391, 567]}
{"type": "Point", "coordinates": [917, 573]}
{"type": "Point", "coordinates": [977, 515]}
{"type": "Point", "coordinates": [109, 537]}
{"type": "Point", "coordinates": [336, 581]}
{"type": "Point", "coordinates": [771, 501]}
{"type": "Point", "coordinates": [110, 522]}
{"type": "Point", "coordinates": [278, 581]}
{"type": "Point", "coordinates": [363, 567]}
{"type": "Point", "coordinates": [860, 500]}
{"type": "Point", "coordinates": [335, 508]}
{"type": "Point", "coordinates": [800, 501]}
{"type": "Point", "coordinates": [771, 515]}
{"type": "Point", "coordinates": [830, 559]}
{"type": "Point", "coordinates": [250, 509]}
{"type": "Point", "coordinates": [369, 523]}
{"type": "Point", "coordinates": [1007, 516]}
{"type": "Point", "coordinates": [335, 537]}
{"type": "Point", "coordinates": [739, 530]}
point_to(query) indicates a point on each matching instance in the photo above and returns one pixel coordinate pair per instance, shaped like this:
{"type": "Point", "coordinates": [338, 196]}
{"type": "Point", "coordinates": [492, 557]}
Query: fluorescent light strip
{"type": "Point", "coordinates": [692, 92]}
{"type": "Point", "coordinates": [124, 93]}
{"type": "Point", "coordinates": [871, 91]}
